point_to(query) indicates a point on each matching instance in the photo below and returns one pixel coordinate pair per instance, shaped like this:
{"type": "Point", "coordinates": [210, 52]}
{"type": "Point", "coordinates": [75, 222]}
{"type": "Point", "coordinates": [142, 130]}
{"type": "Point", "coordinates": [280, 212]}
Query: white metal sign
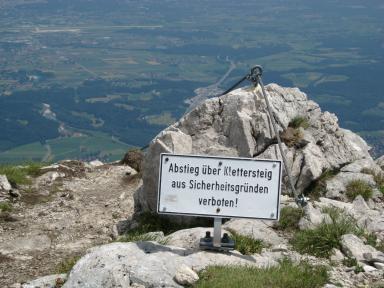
{"type": "Point", "coordinates": [219, 186]}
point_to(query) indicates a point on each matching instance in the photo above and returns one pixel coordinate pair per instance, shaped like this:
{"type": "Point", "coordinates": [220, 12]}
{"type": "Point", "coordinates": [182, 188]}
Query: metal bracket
{"type": "Point", "coordinates": [217, 242]}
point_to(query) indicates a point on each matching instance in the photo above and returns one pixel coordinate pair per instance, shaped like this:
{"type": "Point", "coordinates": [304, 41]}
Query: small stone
{"type": "Point", "coordinates": [136, 285]}
{"type": "Point", "coordinates": [186, 276]}
{"type": "Point", "coordinates": [279, 248]}
{"type": "Point", "coordinates": [313, 217]}
{"type": "Point", "coordinates": [329, 286]}
{"type": "Point", "coordinates": [360, 205]}
{"type": "Point", "coordinates": [96, 163]}
{"type": "Point", "coordinates": [371, 204]}
{"type": "Point", "coordinates": [4, 184]}
{"type": "Point", "coordinates": [368, 268]}
{"type": "Point", "coordinates": [379, 266]}
{"type": "Point", "coordinates": [374, 256]}
{"type": "Point", "coordinates": [336, 255]}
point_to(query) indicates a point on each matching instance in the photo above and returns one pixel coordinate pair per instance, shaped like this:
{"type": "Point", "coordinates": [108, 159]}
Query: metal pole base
{"type": "Point", "coordinates": [217, 243]}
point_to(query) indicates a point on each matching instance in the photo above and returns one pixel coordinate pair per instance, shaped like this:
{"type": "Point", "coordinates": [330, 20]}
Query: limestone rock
{"type": "Point", "coordinates": [335, 187]}
{"type": "Point", "coordinates": [50, 281]}
{"type": "Point", "coordinates": [380, 162]}
{"type": "Point", "coordinates": [368, 268]}
{"type": "Point", "coordinates": [4, 184]}
{"type": "Point", "coordinates": [361, 164]}
{"type": "Point", "coordinates": [354, 247]}
{"type": "Point", "coordinates": [96, 163]}
{"type": "Point", "coordinates": [359, 205]}
{"type": "Point", "coordinates": [257, 229]}
{"type": "Point", "coordinates": [374, 256]}
{"type": "Point", "coordinates": [378, 265]}
{"type": "Point", "coordinates": [189, 238]}
{"type": "Point", "coordinates": [325, 202]}
{"type": "Point", "coordinates": [146, 263]}
{"type": "Point", "coordinates": [336, 256]}
{"type": "Point", "coordinates": [313, 217]}
{"type": "Point", "coordinates": [186, 276]}
{"type": "Point", "coordinates": [237, 124]}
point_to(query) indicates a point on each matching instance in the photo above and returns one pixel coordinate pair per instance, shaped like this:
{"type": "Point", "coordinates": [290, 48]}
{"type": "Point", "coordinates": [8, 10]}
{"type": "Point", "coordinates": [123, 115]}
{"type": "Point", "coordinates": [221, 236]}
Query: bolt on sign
{"type": "Point", "coordinates": [223, 187]}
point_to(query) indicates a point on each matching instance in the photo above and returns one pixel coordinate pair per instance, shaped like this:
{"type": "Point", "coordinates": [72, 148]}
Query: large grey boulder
{"type": "Point", "coordinates": [237, 124]}
{"type": "Point", "coordinates": [149, 264]}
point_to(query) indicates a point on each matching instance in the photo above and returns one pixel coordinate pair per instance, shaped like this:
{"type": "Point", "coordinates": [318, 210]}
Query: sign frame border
{"type": "Point", "coordinates": [214, 215]}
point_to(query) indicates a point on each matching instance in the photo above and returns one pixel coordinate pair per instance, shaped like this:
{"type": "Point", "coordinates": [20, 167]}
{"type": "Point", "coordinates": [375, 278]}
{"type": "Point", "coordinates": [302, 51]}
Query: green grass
{"type": "Point", "coordinates": [378, 177]}
{"type": "Point", "coordinates": [19, 174]}
{"type": "Point", "coordinates": [358, 187]}
{"type": "Point", "coordinates": [286, 275]}
{"type": "Point", "coordinates": [246, 245]}
{"type": "Point", "coordinates": [321, 240]}
{"type": "Point", "coordinates": [66, 265]}
{"type": "Point", "coordinates": [6, 207]}
{"type": "Point", "coordinates": [136, 236]}
{"type": "Point", "coordinates": [299, 121]}
{"type": "Point", "coordinates": [289, 218]}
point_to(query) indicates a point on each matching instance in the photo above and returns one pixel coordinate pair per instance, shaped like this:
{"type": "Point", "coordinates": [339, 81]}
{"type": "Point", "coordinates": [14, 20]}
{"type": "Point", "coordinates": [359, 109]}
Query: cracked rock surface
{"type": "Point", "coordinates": [237, 124]}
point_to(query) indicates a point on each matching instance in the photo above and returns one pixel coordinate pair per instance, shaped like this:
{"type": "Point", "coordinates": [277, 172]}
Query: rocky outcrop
{"type": "Point", "coordinates": [237, 124]}
{"type": "Point", "coordinates": [149, 264]}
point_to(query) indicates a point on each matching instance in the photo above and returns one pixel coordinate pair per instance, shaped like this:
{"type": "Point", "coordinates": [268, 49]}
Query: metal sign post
{"type": "Point", "coordinates": [219, 187]}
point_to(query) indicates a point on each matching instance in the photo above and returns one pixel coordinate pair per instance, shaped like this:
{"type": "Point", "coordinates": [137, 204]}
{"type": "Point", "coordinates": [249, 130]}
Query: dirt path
{"type": "Point", "coordinates": [79, 212]}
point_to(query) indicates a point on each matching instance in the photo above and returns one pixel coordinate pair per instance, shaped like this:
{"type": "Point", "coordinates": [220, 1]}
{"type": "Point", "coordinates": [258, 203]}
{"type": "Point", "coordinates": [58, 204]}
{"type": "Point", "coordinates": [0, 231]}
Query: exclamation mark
{"type": "Point", "coordinates": [237, 201]}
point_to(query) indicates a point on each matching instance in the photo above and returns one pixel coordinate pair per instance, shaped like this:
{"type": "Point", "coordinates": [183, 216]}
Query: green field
{"type": "Point", "coordinates": [88, 147]}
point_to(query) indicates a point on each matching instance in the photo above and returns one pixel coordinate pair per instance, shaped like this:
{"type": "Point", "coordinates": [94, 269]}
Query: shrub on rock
{"type": "Point", "coordinates": [358, 187]}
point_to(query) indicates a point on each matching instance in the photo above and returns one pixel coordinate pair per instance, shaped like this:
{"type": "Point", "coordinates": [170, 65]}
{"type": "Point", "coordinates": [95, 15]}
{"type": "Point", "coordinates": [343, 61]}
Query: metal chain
{"type": "Point", "coordinates": [255, 77]}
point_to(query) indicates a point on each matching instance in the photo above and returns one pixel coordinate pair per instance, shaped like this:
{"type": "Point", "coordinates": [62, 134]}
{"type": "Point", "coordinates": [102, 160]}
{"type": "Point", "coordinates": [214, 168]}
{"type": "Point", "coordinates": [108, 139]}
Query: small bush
{"type": "Point", "coordinates": [321, 240]}
{"type": "Point", "coordinates": [66, 265]}
{"type": "Point", "coordinates": [358, 269]}
{"type": "Point", "coordinates": [299, 121]}
{"type": "Point", "coordinates": [286, 275]}
{"type": "Point", "coordinates": [133, 158]}
{"type": "Point", "coordinates": [246, 245]}
{"type": "Point", "coordinates": [291, 136]}
{"type": "Point", "coordinates": [350, 262]}
{"type": "Point", "coordinates": [358, 187]}
{"type": "Point", "coordinates": [6, 207]}
{"type": "Point", "coordinates": [289, 218]}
